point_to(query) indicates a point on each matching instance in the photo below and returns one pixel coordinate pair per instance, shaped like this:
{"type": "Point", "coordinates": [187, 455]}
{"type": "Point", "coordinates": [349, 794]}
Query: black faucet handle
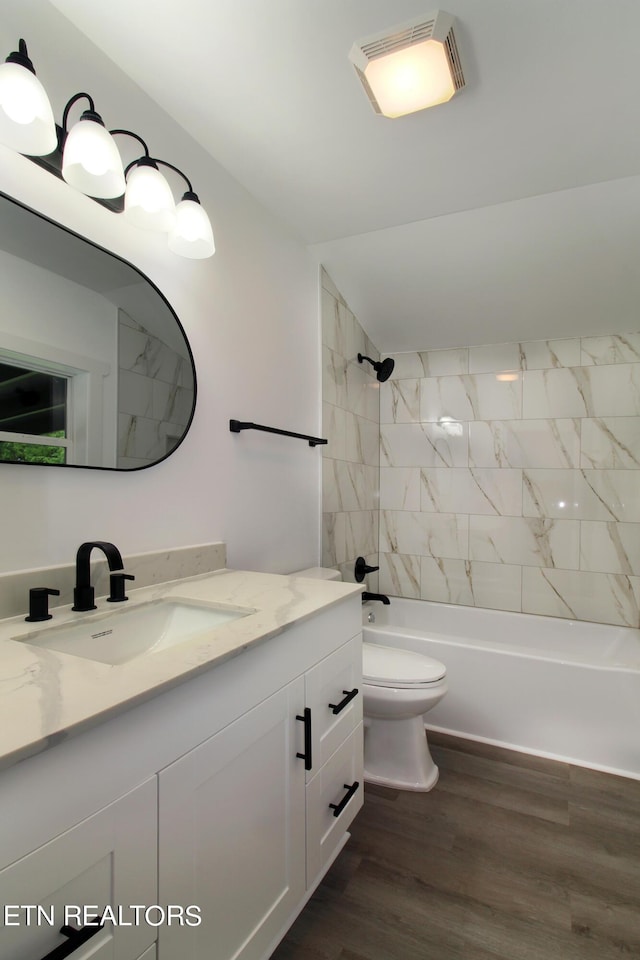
{"type": "Point", "coordinates": [39, 603]}
{"type": "Point", "coordinates": [361, 569]}
{"type": "Point", "coordinates": [116, 586]}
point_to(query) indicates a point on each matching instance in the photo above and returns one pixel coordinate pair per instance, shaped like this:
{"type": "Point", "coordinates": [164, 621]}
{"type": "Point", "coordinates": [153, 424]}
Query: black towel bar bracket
{"type": "Point", "coordinates": [235, 426]}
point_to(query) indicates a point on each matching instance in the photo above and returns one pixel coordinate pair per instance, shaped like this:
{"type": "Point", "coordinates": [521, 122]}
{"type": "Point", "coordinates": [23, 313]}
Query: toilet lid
{"type": "Point", "coordinates": [392, 667]}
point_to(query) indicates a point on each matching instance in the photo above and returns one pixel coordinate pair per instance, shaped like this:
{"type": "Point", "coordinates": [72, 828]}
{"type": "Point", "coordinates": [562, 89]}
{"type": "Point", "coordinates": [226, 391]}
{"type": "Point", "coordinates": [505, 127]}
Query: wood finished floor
{"type": "Point", "coordinates": [510, 857]}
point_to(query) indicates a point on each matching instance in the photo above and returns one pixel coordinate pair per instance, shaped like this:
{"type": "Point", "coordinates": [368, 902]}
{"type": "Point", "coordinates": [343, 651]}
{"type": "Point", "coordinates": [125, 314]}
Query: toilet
{"type": "Point", "coordinates": [398, 686]}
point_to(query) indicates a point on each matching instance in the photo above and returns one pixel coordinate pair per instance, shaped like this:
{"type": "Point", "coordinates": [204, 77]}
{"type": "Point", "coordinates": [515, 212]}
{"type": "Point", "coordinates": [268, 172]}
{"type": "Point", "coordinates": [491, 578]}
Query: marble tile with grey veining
{"type": "Point", "coordinates": [327, 284]}
{"type": "Point", "coordinates": [610, 547]}
{"type": "Point", "coordinates": [424, 534]}
{"type": "Point", "coordinates": [424, 445]}
{"type": "Point", "coordinates": [525, 443]}
{"type": "Point", "coordinates": [334, 378]}
{"type": "Point", "coordinates": [400, 401]}
{"type": "Point", "coordinates": [430, 363]}
{"type": "Point", "coordinates": [478, 490]}
{"type": "Point", "coordinates": [444, 363]}
{"type": "Point", "coordinates": [582, 494]}
{"type": "Point", "coordinates": [349, 486]}
{"type": "Point", "coordinates": [581, 595]}
{"type": "Point", "coordinates": [472, 583]}
{"type": "Point", "coordinates": [135, 394]}
{"type": "Point", "coordinates": [611, 443]}
{"type": "Point", "coordinates": [360, 533]}
{"type": "Point", "coordinates": [140, 437]}
{"type": "Point", "coordinates": [400, 488]}
{"type": "Point", "coordinates": [358, 341]}
{"type": "Point", "coordinates": [362, 392]}
{"type": "Point", "coordinates": [334, 323]}
{"type": "Point", "coordinates": [546, 354]}
{"type": "Point", "coordinates": [494, 358]}
{"type": "Point", "coordinates": [362, 442]}
{"type": "Point", "coordinates": [596, 391]}
{"type": "Point", "coordinates": [346, 536]}
{"type": "Point", "coordinates": [334, 430]}
{"type": "Point", "coordinates": [330, 533]}
{"type": "Point", "coordinates": [621, 348]}
{"type": "Point", "coordinates": [171, 403]}
{"type": "Point", "coordinates": [400, 575]}
{"type": "Point", "coordinates": [541, 542]}
{"type": "Point", "coordinates": [470, 397]}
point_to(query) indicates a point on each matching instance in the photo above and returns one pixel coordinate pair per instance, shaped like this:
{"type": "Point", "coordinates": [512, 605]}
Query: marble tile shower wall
{"type": "Point", "coordinates": [155, 395]}
{"type": "Point", "coordinates": [510, 477]}
{"type": "Point", "coordinates": [350, 422]}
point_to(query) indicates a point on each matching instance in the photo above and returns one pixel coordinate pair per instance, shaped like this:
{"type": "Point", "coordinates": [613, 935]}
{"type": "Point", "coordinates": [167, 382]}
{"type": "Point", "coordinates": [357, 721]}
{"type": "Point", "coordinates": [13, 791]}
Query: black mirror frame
{"type": "Point", "coordinates": [110, 253]}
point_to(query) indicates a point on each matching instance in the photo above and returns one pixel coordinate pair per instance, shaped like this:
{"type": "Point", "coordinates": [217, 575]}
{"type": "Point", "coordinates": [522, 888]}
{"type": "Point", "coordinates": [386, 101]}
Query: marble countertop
{"type": "Point", "coordinates": [46, 695]}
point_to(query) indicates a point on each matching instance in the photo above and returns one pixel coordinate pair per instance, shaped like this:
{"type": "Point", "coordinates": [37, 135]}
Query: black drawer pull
{"type": "Point", "coordinates": [350, 694]}
{"type": "Point", "coordinates": [77, 937]}
{"type": "Point", "coordinates": [339, 807]}
{"type": "Point", "coordinates": [306, 756]}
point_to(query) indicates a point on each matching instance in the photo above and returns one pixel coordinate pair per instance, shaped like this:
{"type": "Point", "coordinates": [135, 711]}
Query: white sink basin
{"type": "Point", "coordinates": [123, 634]}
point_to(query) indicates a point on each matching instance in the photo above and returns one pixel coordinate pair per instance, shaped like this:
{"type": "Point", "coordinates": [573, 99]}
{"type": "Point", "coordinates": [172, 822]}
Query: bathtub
{"type": "Point", "coordinates": [556, 688]}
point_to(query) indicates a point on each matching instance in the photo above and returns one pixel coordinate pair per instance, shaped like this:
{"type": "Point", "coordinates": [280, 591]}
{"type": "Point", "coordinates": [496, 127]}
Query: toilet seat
{"type": "Point", "coordinates": [392, 667]}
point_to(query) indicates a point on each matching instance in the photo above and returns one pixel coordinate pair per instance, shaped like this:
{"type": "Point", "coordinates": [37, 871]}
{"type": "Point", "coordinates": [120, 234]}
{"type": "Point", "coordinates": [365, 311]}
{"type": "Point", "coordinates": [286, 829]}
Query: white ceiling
{"type": "Point", "coordinates": [510, 213]}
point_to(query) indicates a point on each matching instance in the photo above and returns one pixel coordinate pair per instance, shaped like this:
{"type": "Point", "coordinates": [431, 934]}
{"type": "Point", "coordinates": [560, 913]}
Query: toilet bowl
{"type": "Point", "coordinates": [398, 687]}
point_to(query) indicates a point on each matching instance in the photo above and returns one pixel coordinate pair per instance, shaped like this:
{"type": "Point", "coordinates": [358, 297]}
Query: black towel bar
{"type": "Point", "coordinates": [237, 425]}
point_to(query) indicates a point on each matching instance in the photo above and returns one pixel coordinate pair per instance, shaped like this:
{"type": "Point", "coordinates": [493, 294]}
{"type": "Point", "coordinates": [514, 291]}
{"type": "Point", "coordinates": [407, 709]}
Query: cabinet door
{"type": "Point", "coordinates": [232, 834]}
{"type": "Point", "coordinates": [334, 796]}
{"type": "Point", "coordinates": [335, 709]}
{"type": "Point", "coordinates": [108, 859]}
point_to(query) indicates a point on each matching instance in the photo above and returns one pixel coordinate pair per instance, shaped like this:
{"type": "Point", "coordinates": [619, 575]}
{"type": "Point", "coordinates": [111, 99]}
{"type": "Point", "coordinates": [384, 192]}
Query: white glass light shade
{"type": "Point", "coordinates": [411, 79]}
{"type": "Point", "coordinates": [91, 162]}
{"type": "Point", "coordinates": [26, 118]}
{"type": "Point", "coordinates": [148, 200]}
{"type": "Point", "coordinates": [192, 235]}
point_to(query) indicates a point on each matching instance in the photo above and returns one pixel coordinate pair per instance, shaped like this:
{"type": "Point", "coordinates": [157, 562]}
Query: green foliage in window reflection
{"type": "Point", "coordinates": [14, 452]}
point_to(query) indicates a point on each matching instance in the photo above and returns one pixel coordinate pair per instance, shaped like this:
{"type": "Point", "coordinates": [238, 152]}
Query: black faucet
{"type": "Point", "coordinates": [375, 596]}
{"type": "Point", "coordinates": [84, 593]}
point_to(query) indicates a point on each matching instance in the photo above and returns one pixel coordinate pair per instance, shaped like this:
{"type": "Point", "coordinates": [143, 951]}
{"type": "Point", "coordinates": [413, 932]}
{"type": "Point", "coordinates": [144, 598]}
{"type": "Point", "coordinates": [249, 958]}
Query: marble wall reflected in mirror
{"type": "Point", "coordinates": [95, 367]}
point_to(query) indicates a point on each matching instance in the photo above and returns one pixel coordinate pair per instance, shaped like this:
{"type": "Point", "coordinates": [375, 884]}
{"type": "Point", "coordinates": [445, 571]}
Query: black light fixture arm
{"type": "Point", "coordinates": [130, 133]}
{"type": "Point", "coordinates": [189, 195]}
{"type": "Point", "coordinates": [89, 114]}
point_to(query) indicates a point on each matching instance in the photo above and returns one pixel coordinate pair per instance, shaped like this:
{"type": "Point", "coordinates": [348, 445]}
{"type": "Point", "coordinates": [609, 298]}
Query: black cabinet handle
{"type": "Point", "coordinates": [339, 807]}
{"type": "Point", "coordinates": [350, 694]}
{"type": "Point", "coordinates": [77, 937]}
{"type": "Point", "coordinates": [306, 756]}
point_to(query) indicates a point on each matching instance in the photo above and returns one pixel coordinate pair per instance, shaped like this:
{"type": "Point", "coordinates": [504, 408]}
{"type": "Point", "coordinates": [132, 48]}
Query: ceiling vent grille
{"type": "Point", "coordinates": [437, 26]}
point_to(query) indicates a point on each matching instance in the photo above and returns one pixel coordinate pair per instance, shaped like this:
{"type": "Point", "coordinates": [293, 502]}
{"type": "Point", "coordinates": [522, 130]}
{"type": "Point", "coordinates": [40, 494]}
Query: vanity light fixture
{"type": "Point", "coordinates": [411, 66]}
{"type": "Point", "coordinates": [87, 158]}
{"type": "Point", "coordinates": [26, 117]}
{"type": "Point", "coordinates": [90, 159]}
{"type": "Point", "coordinates": [148, 200]}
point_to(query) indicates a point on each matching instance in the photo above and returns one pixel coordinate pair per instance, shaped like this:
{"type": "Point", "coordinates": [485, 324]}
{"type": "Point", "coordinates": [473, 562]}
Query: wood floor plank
{"type": "Point", "coordinates": [508, 858]}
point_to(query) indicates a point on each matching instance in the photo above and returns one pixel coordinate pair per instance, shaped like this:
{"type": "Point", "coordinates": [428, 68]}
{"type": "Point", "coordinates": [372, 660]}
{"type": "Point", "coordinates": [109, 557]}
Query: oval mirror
{"type": "Point", "coordinates": [95, 368]}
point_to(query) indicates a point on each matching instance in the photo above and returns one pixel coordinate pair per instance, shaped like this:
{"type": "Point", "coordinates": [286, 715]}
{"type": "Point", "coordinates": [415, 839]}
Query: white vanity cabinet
{"type": "Point", "coordinates": [226, 793]}
{"type": "Point", "coordinates": [108, 858]}
{"type": "Point", "coordinates": [242, 833]}
{"type": "Point", "coordinates": [232, 833]}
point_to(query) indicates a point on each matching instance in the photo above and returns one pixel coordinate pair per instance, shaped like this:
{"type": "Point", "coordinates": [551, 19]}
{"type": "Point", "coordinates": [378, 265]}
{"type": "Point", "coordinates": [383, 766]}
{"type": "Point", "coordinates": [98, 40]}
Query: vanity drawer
{"type": "Point", "coordinates": [336, 710]}
{"type": "Point", "coordinates": [333, 797]}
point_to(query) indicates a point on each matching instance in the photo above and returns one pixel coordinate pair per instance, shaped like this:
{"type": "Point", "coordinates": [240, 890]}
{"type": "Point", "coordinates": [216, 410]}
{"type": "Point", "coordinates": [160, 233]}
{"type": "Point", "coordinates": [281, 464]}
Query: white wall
{"type": "Point", "coordinates": [251, 315]}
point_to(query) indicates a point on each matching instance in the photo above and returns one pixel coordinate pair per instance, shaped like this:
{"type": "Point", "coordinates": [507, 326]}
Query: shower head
{"type": "Point", "coordinates": [383, 368]}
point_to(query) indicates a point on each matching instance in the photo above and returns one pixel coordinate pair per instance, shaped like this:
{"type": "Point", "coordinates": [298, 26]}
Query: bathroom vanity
{"type": "Point", "coordinates": [200, 791]}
